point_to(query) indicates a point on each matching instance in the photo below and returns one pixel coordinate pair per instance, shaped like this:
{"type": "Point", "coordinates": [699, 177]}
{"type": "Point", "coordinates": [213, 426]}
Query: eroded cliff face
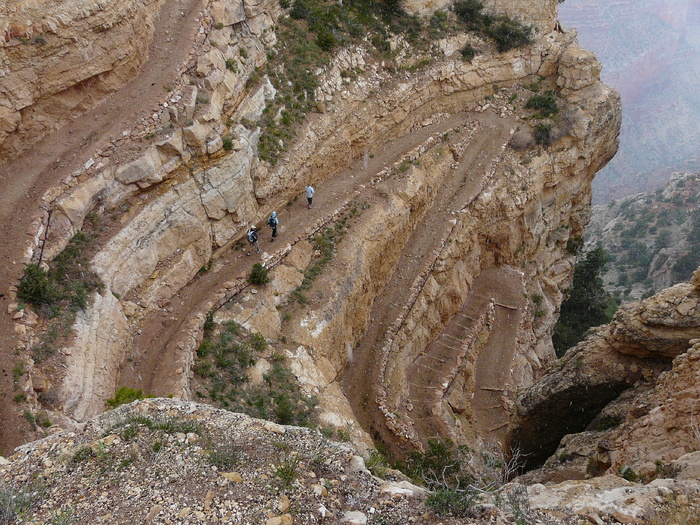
{"type": "Point", "coordinates": [58, 59]}
{"type": "Point", "coordinates": [461, 234]}
{"type": "Point", "coordinates": [632, 386]}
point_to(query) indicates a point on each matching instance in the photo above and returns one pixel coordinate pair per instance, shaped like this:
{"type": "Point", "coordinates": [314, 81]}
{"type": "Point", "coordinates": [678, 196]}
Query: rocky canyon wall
{"type": "Point", "coordinates": [58, 59]}
{"type": "Point", "coordinates": [626, 396]}
{"type": "Point", "coordinates": [185, 199]}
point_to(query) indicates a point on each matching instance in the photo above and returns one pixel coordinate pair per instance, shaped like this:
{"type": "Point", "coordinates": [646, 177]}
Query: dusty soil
{"type": "Point", "coordinates": [24, 180]}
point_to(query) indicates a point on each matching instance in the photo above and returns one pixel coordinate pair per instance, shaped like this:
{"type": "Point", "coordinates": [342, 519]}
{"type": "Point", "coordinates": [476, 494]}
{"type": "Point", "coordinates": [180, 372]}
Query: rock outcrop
{"type": "Point", "coordinates": [650, 352]}
{"type": "Point", "coordinates": [164, 460]}
{"type": "Point", "coordinates": [190, 195]}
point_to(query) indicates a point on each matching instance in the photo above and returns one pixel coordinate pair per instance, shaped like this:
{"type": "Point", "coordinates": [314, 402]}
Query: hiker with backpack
{"type": "Point", "coordinates": [252, 237]}
{"type": "Point", "coordinates": [273, 222]}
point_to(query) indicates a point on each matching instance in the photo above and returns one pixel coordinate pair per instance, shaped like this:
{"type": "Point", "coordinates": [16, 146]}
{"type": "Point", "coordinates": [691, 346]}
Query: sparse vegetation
{"type": "Point", "coordinates": [222, 363]}
{"type": "Point", "coordinates": [59, 292]}
{"type": "Point", "coordinates": [227, 143]}
{"type": "Point", "coordinates": [324, 243]}
{"type": "Point", "coordinates": [223, 456]}
{"type": "Point", "coordinates": [287, 469]}
{"type": "Point", "coordinates": [315, 28]}
{"type": "Point", "coordinates": [457, 475]}
{"type": "Point", "coordinates": [506, 32]}
{"type": "Point", "coordinates": [13, 502]}
{"type": "Point", "coordinates": [545, 104]}
{"type": "Point", "coordinates": [259, 275]}
{"type": "Point", "coordinates": [651, 234]}
{"type": "Point", "coordinates": [543, 134]}
{"type": "Point", "coordinates": [468, 53]}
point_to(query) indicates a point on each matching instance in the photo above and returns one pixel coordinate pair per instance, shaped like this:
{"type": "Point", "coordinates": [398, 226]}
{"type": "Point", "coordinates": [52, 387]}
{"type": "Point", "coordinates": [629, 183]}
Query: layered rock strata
{"type": "Point", "coordinates": [189, 199]}
{"type": "Point", "coordinates": [58, 59]}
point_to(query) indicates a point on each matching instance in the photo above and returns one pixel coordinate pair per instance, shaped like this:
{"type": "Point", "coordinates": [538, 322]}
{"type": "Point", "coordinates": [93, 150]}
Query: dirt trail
{"type": "Point", "coordinates": [487, 328]}
{"type": "Point", "coordinates": [460, 187]}
{"type": "Point", "coordinates": [504, 285]}
{"type": "Point", "coordinates": [25, 179]}
{"type": "Point", "coordinates": [153, 362]}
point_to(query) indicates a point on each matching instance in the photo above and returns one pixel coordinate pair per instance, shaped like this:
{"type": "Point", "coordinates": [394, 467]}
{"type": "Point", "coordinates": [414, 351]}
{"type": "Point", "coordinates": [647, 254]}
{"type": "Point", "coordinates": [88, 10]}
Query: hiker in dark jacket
{"type": "Point", "coordinates": [252, 237]}
{"type": "Point", "coordinates": [273, 222]}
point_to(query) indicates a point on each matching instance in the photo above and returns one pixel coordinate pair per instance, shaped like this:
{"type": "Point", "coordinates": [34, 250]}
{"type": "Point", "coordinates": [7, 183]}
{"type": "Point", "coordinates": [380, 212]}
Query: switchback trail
{"type": "Point", "coordinates": [25, 179]}
{"type": "Point", "coordinates": [458, 189]}
{"type": "Point", "coordinates": [153, 364]}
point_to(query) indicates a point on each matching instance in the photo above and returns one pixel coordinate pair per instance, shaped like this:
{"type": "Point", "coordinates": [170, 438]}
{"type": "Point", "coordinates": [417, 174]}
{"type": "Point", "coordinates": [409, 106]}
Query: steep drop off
{"type": "Point", "coordinates": [460, 197]}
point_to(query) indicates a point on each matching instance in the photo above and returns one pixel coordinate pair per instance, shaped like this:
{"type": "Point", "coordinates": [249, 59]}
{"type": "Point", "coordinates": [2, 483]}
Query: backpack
{"type": "Point", "coordinates": [252, 236]}
{"type": "Point", "coordinates": [272, 222]}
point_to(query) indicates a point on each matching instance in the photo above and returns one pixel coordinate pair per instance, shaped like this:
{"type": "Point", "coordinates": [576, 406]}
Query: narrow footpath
{"type": "Point", "coordinates": [152, 365]}
{"type": "Point", "coordinates": [462, 186]}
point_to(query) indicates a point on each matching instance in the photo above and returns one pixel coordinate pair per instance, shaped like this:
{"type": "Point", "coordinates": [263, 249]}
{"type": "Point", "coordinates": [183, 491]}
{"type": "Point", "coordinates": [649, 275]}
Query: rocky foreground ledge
{"type": "Point", "coordinates": [168, 461]}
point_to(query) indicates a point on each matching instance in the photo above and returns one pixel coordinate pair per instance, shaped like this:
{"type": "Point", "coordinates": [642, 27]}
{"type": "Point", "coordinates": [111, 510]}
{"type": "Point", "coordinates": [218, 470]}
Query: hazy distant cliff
{"type": "Point", "coordinates": [651, 54]}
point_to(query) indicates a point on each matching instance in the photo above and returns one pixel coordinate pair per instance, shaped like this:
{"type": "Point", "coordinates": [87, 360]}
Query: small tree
{"type": "Point", "coordinates": [125, 395]}
{"type": "Point", "coordinates": [258, 275]}
{"type": "Point", "coordinates": [588, 303]}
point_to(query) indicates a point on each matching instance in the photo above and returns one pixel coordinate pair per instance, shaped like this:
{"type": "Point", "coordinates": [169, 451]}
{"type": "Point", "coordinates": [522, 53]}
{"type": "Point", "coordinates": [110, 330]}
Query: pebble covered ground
{"type": "Point", "coordinates": [164, 461]}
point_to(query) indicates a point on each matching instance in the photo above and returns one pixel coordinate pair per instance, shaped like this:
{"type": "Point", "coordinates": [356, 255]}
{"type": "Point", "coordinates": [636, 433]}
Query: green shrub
{"type": "Point", "coordinates": [36, 288]}
{"type": "Point", "coordinates": [68, 281]}
{"type": "Point", "coordinates": [545, 104]}
{"type": "Point", "coordinates": [224, 456]}
{"type": "Point", "coordinates": [287, 471]}
{"type": "Point", "coordinates": [629, 474]}
{"type": "Point", "coordinates": [587, 304]}
{"type": "Point", "coordinates": [377, 464]}
{"type": "Point", "coordinates": [469, 11]}
{"type": "Point", "coordinates": [258, 275]}
{"type": "Point", "coordinates": [125, 395]}
{"type": "Point", "coordinates": [574, 244]}
{"type": "Point", "coordinates": [258, 342]}
{"type": "Point", "coordinates": [326, 40]}
{"type": "Point", "coordinates": [439, 466]}
{"type": "Point", "coordinates": [543, 134]}
{"type": "Point", "coordinates": [509, 34]}
{"type": "Point", "coordinates": [468, 53]}
{"type": "Point", "coordinates": [13, 502]}
{"type": "Point", "coordinates": [169, 425]}
{"type": "Point", "coordinates": [82, 454]}
{"type": "Point", "coordinates": [606, 422]}
{"type": "Point", "coordinates": [458, 503]}
{"type": "Point", "coordinates": [227, 142]}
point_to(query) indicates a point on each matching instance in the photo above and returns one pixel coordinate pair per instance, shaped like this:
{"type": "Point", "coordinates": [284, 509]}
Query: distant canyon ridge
{"type": "Point", "coordinates": [650, 51]}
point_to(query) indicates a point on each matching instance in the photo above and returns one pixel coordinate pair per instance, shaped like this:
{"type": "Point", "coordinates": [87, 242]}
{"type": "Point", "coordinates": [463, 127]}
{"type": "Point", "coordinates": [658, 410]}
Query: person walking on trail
{"type": "Point", "coordinates": [310, 194]}
{"type": "Point", "coordinates": [273, 222]}
{"type": "Point", "coordinates": [252, 237]}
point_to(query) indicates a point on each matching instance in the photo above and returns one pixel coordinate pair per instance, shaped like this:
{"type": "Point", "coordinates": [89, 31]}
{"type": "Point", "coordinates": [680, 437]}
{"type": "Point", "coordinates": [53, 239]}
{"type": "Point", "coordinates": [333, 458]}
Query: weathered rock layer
{"type": "Point", "coordinates": [58, 59]}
